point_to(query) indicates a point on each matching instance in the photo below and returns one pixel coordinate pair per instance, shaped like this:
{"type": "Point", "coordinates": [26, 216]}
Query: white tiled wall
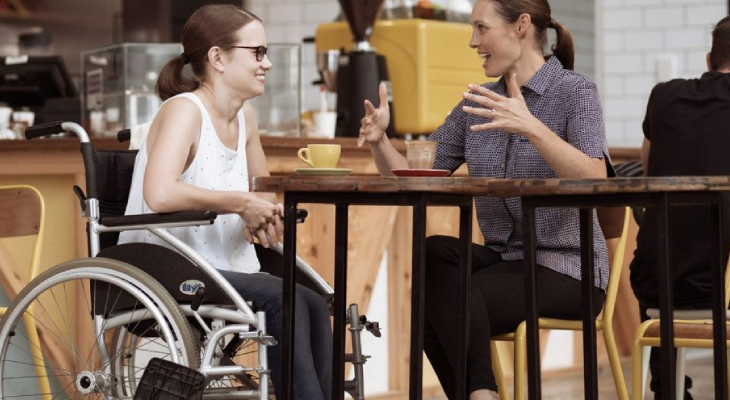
{"type": "Point", "coordinates": [579, 17]}
{"type": "Point", "coordinates": [640, 40]}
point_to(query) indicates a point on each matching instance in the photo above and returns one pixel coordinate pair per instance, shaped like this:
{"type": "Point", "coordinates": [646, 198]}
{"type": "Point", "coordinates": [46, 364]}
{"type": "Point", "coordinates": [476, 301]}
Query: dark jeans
{"type": "Point", "coordinates": [655, 366]}
{"type": "Point", "coordinates": [312, 333]}
{"type": "Point", "coordinates": [497, 305]}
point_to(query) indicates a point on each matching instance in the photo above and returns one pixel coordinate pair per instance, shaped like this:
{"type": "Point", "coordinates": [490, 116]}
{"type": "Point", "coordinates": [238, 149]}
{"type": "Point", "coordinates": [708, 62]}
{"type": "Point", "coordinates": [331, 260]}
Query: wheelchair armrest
{"type": "Point", "coordinates": [163, 218]}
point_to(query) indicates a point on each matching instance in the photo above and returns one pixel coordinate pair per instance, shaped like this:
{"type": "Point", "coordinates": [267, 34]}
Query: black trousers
{"type": "Point", "coordinates": [497, 305]}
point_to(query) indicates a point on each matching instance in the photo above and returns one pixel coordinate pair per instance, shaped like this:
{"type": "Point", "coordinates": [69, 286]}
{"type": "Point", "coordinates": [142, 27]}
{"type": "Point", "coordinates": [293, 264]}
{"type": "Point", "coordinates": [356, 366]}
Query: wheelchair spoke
{"type": "Point", "coordinates": [75, 354]}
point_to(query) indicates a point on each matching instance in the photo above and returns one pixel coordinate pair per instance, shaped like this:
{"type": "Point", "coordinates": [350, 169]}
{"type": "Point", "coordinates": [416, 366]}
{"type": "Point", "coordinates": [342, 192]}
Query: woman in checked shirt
{"type": "Point", "coordinates": [539, 120]}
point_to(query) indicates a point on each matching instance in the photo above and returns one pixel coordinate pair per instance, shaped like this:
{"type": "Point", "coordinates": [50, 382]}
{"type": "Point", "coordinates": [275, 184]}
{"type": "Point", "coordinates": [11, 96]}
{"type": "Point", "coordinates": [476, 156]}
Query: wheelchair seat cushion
{"type": "Point", "coordinates": [178, 274]}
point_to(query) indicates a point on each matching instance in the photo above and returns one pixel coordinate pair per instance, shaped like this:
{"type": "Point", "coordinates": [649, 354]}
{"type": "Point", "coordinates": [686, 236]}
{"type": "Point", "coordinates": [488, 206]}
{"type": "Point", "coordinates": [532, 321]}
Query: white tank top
{"type": "Point", "coordinates": [214, 167]}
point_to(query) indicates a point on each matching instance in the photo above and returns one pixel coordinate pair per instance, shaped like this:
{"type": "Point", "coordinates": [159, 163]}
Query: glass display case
{"type": "Point", "coordinates": [119, 85]}
{"type": "Point", "coordinates": [279, 109]}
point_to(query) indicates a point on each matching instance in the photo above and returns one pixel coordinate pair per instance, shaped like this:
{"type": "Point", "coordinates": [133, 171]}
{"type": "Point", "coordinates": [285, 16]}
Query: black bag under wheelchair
{"type": "Point", "coordinates": [101, 319]}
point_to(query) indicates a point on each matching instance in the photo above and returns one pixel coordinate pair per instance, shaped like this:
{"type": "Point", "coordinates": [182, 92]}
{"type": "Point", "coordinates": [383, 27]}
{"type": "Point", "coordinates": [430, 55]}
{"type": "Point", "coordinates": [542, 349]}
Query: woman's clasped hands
{"type": "Point", "coordinates": [263, 221]}
{"type": "Point", "coordinates": [509, 114]}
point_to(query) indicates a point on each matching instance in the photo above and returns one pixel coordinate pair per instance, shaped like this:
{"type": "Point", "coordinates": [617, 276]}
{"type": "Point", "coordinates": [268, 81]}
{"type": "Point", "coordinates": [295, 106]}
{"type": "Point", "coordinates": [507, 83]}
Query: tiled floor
{"type": "Point", "coordinates": [570, 386]}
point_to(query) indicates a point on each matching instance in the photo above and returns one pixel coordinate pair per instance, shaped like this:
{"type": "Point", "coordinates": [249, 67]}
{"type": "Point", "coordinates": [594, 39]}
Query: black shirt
{"type": "Point", "coordinates": [688, 124]}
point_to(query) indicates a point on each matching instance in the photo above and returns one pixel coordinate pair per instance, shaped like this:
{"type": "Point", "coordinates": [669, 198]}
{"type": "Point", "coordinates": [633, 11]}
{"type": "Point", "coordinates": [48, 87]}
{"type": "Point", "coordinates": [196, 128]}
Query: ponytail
{"type": "Point", "coordinates": [539, 12]}
{"type": "Point", "coordinates": [172, 82]}
{"type": "Point", "coordinates": [563, 47]}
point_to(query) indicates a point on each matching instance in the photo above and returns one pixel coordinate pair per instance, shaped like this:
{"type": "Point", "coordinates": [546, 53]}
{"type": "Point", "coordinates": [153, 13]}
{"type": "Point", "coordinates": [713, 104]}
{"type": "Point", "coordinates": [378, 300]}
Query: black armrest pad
{"type": "Point", "coordinates": [164, 218]}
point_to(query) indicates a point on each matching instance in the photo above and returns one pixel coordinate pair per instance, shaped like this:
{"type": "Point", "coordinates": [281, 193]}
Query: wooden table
{"type": "Point", "coordinates": [344, 192]}
{"type": "Point", "coordinates": [586, 194]}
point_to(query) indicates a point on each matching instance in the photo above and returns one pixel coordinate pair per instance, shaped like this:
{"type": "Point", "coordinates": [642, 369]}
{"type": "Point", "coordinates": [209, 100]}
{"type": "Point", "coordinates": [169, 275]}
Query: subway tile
{"type": "Point", "coordinates": [613, 41]}
{"type": "Point", "coordinates": [611, 86]}
{"type": "Point", "coordinates": [644, 40]}
{"type": "Point", "coordinates": [613, 4]}
{"type": "Point", "coordinates": [614, 132]}
{"type": "Point", "coordinates": [324, 12]}
{"type": "Point", "coordinates": [260, 9]}
{"type": "Point", "coordinates": [275, 33]}
{"type": "Point", "coordinates": [623, 18]}
{"type": "Point", "coordinates": [286, 13]}
{"type": "Point", "coordinates": [623, 63]}
{"type": "Point", "coordinates": [626, 107]}
{"type": "Point", "coordinates": [695, 62]}
{"type": "Point", "coordinates": [639, 84]}
{"type": "Point", "coordinates": [633, 134]}
{"type": "Point", "coordinates": [666, 17]}
{"type": "Point", "coordinates": [706, 16]}
{"type": "Point", "coordinates": [687, 38]}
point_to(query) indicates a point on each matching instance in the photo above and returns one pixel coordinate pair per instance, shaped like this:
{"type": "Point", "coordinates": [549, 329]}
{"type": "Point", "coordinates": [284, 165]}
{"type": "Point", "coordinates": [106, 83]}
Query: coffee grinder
{"type": "Point", "coordinates": [361, 70]}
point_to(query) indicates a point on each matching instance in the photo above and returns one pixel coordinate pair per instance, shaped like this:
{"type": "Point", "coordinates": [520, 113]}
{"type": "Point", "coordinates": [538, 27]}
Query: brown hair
{"type": "Point", "coordinates": [210, 25]}
{"type": "Point", "coordinates": [720, 53]}
{"type": "Point", "coordinates": [539, 11]}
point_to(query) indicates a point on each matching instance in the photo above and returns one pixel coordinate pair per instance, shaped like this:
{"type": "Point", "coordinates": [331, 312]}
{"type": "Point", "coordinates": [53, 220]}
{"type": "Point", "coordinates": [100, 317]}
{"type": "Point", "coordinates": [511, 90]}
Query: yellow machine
{"type": "Point", "coordinates": [429, 63]}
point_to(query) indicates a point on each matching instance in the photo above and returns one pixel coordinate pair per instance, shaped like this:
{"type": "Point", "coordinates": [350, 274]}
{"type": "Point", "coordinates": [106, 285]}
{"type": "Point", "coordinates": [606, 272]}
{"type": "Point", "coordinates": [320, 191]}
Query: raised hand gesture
{"type": "Point", "coordinates": [509, 114]}
{"type": "Point", "coordinates": [376, 120]}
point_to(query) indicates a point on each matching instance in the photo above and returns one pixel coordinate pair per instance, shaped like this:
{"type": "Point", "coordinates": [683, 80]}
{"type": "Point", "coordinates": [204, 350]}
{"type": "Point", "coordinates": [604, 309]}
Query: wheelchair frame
{"type": "Point", "coordinates": [238, 319]}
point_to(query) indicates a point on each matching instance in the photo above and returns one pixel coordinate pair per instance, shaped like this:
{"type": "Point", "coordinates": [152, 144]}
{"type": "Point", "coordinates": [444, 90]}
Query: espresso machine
{"type": "Point", "coordinates": [361, 70]}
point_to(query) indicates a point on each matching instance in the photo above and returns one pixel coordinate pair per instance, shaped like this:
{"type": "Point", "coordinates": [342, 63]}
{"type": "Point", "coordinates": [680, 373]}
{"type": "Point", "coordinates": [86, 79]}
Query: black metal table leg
{"type": "Point", "coordinates": [666, 301]}
{"type": "Point", "coordinates": [417, 298]}
{"type": "Point", "coordinates": [718, 304]}
{"type": "Point", "coordinates": [289, 271]}
{"type": "Point", "coordinates": [590, 369]}
{"type": "Point", "coordinates": [532, 335]}
{"type": "Point", "coordinates": [338, 338]}
{"type": "Point", "coordinates": [462, 305]}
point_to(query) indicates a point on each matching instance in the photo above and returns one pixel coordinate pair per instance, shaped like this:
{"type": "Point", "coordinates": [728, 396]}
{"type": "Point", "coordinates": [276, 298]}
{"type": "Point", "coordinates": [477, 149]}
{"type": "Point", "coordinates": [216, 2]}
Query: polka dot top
{"type": "Point", "coordinates": [215, 167]}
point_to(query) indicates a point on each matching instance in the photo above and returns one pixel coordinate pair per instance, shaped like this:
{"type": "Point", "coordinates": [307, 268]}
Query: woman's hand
{"type": "Point", "coordinates": [509, 114]}
{"type": "Point", "coordinates": [376, 120]}
{"type": "Point", "coordinates": [262, 218]}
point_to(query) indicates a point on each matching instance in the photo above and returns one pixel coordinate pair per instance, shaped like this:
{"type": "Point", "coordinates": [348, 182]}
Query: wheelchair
{"type": "Point", "coordinates": [101, 319]}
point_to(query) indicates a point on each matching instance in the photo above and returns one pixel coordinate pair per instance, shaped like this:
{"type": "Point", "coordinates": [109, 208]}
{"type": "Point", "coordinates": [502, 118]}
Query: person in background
{"type": "Point", "coordinates": [201, 152]}
{"type": "Point", "coordinates": [686, 133]}
{"type": "Point", "coordinates": [539, 120]}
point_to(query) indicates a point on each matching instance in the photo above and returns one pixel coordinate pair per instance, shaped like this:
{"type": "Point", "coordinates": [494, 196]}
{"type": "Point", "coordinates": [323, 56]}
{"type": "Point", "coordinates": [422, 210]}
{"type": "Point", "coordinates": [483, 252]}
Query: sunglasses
{"type": "Point", "coordinates": [260, 51]}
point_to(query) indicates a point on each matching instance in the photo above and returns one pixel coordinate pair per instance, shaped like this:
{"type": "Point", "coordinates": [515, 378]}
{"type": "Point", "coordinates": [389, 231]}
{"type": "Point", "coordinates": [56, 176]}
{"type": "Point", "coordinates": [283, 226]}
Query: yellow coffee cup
{"type": "Point", "coordinates": [320, 155]}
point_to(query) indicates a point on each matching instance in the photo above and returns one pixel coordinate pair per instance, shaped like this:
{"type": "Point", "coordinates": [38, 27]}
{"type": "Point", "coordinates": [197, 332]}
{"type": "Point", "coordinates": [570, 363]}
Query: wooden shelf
{"type": "Point", "coordinates": [43, 18]}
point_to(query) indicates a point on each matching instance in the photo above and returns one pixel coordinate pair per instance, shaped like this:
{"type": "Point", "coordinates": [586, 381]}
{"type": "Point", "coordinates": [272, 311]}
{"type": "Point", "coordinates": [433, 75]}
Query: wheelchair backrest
{"type": "Point", "coordinates": [114, 170]}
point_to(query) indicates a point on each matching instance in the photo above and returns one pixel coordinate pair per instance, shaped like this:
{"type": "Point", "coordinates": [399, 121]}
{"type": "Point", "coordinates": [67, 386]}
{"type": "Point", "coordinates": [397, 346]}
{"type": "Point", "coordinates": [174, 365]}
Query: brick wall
{"type": "Point", "coordinates": [645, 42]}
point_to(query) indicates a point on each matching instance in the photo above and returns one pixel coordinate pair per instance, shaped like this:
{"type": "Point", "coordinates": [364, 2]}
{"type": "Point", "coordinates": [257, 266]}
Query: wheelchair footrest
{"type": "Point", "coordinates": [258, 337]}
{"type": "Point", "coordinates": [165, 380]}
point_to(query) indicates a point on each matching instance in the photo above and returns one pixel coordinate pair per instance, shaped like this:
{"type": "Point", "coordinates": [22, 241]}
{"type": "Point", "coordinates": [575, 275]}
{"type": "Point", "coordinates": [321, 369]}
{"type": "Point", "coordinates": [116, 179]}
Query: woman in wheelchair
{"type": "Point", "coordinates": [201, 152]}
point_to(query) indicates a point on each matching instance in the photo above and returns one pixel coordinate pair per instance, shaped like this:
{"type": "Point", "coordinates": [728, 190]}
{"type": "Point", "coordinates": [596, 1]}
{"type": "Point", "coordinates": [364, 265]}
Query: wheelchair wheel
{"type": "Point", "coordinates": [77, 309]}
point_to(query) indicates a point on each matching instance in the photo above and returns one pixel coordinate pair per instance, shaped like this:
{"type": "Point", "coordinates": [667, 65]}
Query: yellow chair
{"type": "Point", "coordinates": [23, 214]}
{"type": "Point", "coordinates": [614, 225]}
{"type": "Point", "coordinates": [692, 328]}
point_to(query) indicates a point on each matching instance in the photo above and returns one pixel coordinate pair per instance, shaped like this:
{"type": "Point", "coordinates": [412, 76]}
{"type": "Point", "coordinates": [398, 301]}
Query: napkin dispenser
{"type": "Point", "coordinates": [429, 64]}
